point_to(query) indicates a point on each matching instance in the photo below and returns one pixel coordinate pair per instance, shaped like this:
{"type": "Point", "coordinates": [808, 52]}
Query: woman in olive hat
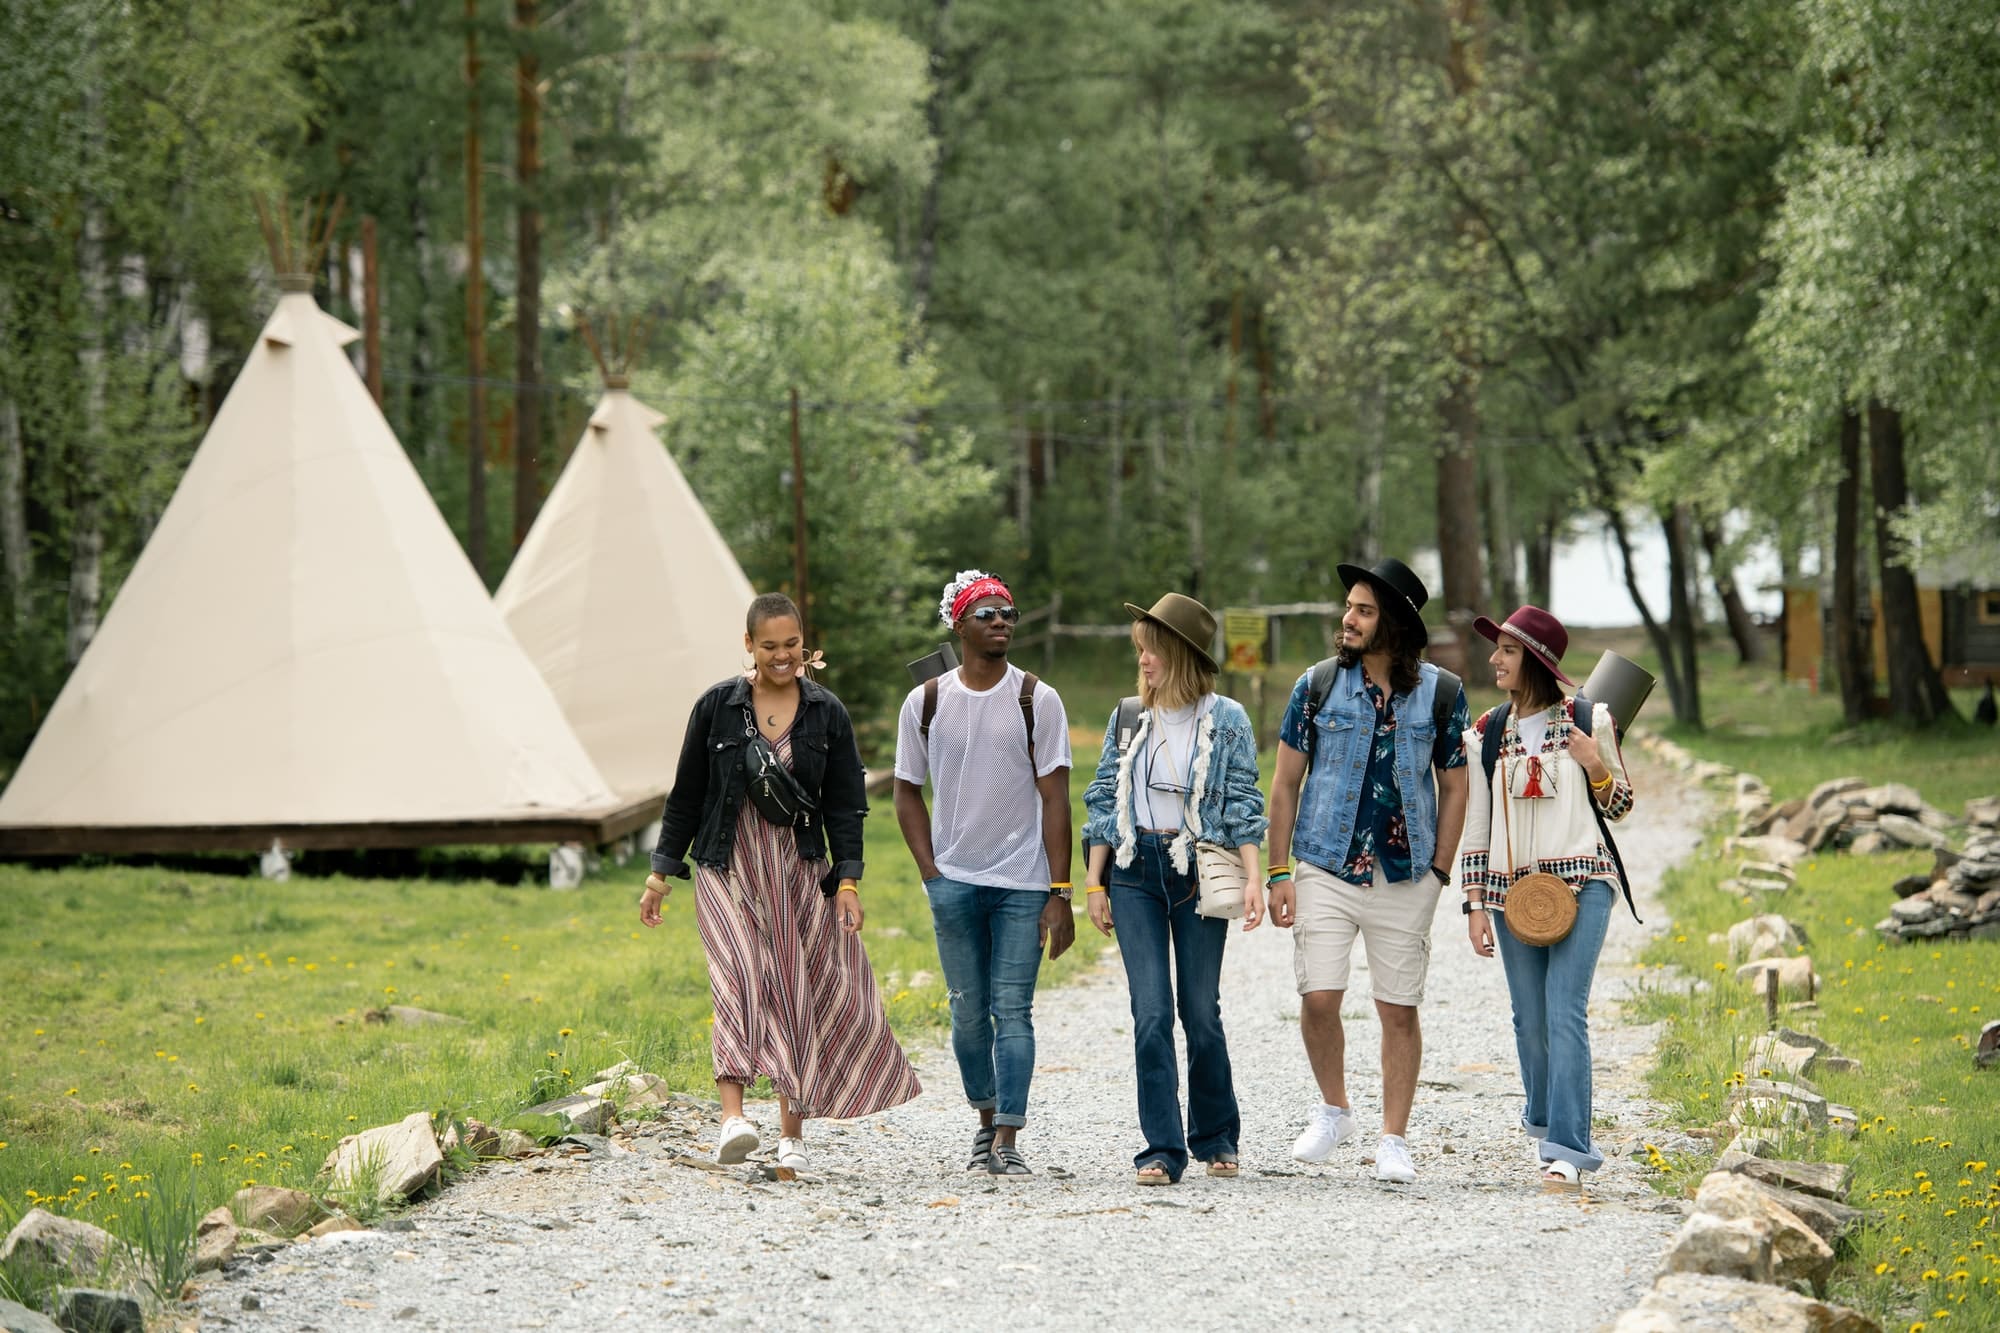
{"type": "Point", "coordinates": [1184, 774]}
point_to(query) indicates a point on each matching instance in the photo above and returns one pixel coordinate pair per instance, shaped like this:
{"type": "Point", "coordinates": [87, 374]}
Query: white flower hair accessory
{"type": "Point", "coordinates": [962, 580]}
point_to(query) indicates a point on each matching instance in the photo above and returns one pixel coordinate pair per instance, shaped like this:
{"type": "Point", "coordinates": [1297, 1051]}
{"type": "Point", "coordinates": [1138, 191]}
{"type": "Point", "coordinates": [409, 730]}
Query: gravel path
{"type": "Point", "coordinates": [887, 1233]}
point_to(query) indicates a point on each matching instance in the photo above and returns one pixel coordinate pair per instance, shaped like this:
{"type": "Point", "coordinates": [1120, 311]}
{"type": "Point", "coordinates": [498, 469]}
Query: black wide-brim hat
{"type": "Point", "coordinates": [1401, 592]}
{"type": "Point", "coordinates": [1184, 618]}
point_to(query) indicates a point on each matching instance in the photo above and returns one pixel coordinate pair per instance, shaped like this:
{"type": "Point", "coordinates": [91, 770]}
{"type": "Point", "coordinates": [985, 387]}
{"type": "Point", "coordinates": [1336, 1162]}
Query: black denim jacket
{"type": "Point", "coordinates": [709, 784]}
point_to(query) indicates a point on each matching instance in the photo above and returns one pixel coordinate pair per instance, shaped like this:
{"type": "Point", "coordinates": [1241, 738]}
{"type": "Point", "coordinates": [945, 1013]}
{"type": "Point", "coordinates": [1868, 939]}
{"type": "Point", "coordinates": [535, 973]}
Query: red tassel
{"type": "Point", "coordinates": [1534, 787]}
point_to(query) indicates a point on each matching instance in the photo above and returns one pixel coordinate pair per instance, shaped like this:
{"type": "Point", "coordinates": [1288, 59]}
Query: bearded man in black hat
{"type": "Point", "coordinates": [1366, 808]}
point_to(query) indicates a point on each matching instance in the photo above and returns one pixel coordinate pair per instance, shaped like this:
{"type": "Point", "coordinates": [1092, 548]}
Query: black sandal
{"type": "Point", "coordinates": [1007, 1161]}
{"type": "Point", "coordinates": [982, 1150]}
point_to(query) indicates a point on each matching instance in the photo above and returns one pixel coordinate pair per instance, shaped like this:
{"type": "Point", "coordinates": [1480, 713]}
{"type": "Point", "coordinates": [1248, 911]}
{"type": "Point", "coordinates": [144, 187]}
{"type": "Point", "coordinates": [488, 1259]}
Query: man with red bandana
{"type": "Point", "coordinates": [994, 853]}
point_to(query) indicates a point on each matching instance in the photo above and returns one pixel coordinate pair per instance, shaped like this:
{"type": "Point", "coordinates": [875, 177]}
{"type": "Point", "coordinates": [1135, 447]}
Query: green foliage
{"type": "Point", "coordinates": [878, 486]}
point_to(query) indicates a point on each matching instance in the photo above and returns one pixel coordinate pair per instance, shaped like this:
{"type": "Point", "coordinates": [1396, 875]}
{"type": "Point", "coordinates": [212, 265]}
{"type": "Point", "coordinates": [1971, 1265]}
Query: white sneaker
{"type": "Point", "coordinates": [737, 1141]}
{"type": "Point", "coordinates": [1329, 1127]}
{"type": "Point", "coordinates": [1392, 1161]}
{"type": "Point", "coordinates": [792, 1153]}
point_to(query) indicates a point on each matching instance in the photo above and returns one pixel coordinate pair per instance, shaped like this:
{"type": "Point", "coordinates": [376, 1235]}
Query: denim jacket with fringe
{"type": "Point", "coordinates": [1225, 805]}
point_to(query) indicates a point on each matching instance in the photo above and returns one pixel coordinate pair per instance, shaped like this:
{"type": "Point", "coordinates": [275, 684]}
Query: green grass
{"type": "Point", "coordinates": [164, 1026]}
{"type": "Point", "coordinates": [1927, 1155]}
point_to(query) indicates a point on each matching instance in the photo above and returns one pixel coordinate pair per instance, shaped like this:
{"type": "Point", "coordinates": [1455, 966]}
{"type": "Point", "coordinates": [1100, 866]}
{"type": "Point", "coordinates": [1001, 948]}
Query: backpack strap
{"type": "Point", "coordinates": [1028, 682]}
{"type": "Point", "coordinates": [1489, 744]}
{"type": "Point", "coordinates": [930, 708]}
{"type": "Point", "coordinates": [1444, 700]}
{"type": "Point", "coordinates": [1319, 688]}
{"type": "Point", "coordinates": [1127, 724]}
{"type": "Point", "coordinates": [1581, 717]}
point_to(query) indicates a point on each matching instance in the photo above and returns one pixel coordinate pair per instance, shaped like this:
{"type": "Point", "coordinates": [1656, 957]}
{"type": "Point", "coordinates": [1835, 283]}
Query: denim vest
{"type": "Point", "coordinates": [1345, 731]}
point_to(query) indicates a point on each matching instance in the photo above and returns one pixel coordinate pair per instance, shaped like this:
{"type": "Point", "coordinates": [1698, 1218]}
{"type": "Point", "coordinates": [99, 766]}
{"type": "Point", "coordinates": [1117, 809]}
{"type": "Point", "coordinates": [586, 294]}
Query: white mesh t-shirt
{"type": "Point", "coordinates": [986, 817]}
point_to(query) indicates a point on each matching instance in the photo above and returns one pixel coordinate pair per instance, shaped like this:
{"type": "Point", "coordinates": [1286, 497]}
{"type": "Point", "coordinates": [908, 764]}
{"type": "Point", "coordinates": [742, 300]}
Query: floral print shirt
{"type": "Point", "coordinates": [1379, 834]}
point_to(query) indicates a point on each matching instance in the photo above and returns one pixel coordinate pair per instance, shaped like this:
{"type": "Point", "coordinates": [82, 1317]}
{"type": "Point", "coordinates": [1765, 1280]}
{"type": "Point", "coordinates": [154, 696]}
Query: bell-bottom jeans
{"type": "Point", "coordinates": [1550, 988]}
{"type": "Point", "coordinates": [1173, 963]}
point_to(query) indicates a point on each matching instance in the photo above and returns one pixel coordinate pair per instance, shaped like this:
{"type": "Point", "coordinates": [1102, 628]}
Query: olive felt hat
{"type": "Point", "coordinates": [1401, 592]}
{"type": "Point", "coordinates": [1185, 619]}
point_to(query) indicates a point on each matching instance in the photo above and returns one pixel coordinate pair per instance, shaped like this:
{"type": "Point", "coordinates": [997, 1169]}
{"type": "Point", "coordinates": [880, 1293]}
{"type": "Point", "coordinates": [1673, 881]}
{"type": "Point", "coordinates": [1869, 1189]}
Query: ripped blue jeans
{"type": "Point", "coordinates": [989, 944]}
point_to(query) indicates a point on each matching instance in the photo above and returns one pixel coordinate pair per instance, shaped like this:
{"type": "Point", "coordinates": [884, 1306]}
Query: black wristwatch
{"type": "Point", "coordinates": [1467, 907]}
{"type": "Point", "coordinates": [1444, 876]}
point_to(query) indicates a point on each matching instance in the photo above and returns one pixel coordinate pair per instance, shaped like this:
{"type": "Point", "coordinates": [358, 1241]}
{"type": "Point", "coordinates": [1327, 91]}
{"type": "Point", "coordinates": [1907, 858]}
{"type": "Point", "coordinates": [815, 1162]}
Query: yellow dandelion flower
{"type": "Point", "coordinates": [563, 1032]}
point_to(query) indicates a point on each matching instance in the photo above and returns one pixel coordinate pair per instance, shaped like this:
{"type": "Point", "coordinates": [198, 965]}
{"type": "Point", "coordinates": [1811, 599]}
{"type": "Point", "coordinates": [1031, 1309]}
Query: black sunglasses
{"type": "Point", "coordinates": [1006, 613]}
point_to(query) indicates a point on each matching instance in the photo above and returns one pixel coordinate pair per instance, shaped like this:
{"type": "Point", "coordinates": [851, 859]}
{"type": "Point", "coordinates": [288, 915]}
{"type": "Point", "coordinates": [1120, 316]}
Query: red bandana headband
{"type": "Point", "coordinates": [978, 588]}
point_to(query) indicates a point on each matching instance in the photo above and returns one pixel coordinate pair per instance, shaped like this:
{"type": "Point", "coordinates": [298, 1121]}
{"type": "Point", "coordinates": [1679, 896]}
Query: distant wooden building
{"type": "Point", "coordinates": [1958, 601]}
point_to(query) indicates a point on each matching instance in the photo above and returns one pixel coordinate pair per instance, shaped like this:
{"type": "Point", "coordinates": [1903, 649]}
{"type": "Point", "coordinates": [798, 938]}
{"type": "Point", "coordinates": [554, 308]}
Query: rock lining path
{"type": "Point", "coordinates": [888, 1233]}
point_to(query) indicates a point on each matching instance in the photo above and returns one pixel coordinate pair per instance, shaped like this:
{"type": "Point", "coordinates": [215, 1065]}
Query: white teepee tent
{"type": "Point", "coordinates": [626, 596]}
{"type": "Point", "coordinates": [301, 646]}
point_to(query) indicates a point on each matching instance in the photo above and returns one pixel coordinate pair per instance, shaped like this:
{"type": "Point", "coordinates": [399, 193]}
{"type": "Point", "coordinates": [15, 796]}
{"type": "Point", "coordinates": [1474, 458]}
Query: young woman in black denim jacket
{"type": "Point", "coordinates": [795, 998]}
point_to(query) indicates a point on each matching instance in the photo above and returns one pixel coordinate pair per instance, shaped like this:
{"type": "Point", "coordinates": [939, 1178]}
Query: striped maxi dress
{"type": "Point", "coordinates": [795, 998]}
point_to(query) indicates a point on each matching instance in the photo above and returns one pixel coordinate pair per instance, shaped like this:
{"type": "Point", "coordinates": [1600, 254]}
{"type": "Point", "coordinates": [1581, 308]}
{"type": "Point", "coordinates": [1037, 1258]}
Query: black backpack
{"type": "Point", "coordinates": [1028, 682]}
{"type": "Point", "coordinates": [1489, 757]}
{"type": "Point", "coordinates": [1317, 692]}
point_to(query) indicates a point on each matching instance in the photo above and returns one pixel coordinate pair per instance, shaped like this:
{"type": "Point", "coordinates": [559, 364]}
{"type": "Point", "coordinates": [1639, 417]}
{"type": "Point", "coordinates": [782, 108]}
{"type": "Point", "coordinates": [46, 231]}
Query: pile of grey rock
{"type": "Point", "coordinates": [1765, 1231]}
{"type": "Point", "coordinates": [1843, 812]}
{"type": "Point", "coordinates": [1959, 897]}
{"type": "Point", "coordinates": [98, 1282]}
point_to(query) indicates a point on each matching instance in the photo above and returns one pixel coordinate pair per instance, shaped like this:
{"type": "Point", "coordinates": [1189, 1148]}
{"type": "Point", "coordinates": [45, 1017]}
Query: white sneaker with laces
{"type": "Point", "coordinates": [1392, 1161]}
{"type": "Point", "coordinates": [792, 1153]}
{"type": "Point", "coordinates": [736, 1142]}
{"type": "Point", "coordinates": [1329, 1127]}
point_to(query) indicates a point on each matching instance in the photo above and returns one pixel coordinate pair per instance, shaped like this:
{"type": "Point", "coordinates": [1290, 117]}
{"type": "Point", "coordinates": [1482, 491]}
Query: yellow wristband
{"type": "Point", "coordinates": [1609, 779]}
{"type": "Point", "coordinates": [1062, 884]}
{"type": "Point", "coordinates": [1281, 867]}
{"type": "Point", "coordinates": [1093, 888]}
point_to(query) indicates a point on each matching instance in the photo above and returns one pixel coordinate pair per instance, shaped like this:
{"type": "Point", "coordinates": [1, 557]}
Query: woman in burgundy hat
{"type": "Point", "coordinates": [1533, 813]}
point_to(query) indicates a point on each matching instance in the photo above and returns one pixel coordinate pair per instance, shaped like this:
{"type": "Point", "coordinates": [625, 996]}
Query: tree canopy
{"type": "Point", "coordinates": [1115, 297]}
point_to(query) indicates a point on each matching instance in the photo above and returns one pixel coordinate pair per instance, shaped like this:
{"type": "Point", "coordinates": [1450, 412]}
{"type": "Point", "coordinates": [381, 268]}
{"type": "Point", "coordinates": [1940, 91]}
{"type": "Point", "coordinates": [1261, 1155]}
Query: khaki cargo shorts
{"type": "Point", "coordinates": [1393, 921]}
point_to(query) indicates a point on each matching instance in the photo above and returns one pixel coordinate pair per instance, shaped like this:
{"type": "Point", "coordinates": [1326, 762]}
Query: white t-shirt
{"type": "Point", "coordinates": [1532, 727]}
{"type": "Point", "coordinates": [1168, 762]}
{"type": "Point", "coordinates": [986, 816]}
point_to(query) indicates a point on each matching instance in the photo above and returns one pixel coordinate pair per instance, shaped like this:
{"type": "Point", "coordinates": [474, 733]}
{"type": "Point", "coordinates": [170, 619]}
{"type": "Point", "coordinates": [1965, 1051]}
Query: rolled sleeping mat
{"type": "Point", "coordinates": [1621, 685]}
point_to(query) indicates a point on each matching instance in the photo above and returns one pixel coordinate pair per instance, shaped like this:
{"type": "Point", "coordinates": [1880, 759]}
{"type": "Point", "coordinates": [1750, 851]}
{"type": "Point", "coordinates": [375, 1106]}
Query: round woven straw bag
{"type": "Point", "coordinates": [1541, 909]}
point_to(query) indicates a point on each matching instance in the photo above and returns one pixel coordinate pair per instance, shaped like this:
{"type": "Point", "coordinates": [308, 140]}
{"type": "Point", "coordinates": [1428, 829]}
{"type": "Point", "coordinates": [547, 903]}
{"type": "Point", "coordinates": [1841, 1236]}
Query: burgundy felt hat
{"type": "Point", "coordinates": [1539, 632]}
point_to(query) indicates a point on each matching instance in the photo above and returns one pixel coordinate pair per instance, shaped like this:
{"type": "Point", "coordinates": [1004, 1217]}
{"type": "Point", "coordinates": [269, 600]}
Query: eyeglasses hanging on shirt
{"type": "Point", "coordinates": [1166, 785]}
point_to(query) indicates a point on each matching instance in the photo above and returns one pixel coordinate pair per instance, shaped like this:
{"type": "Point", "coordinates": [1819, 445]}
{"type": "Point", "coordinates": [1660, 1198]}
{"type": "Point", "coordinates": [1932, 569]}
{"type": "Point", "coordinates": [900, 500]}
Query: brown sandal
{"type": "Point", "coordinates": [1223, 1166]}
{"type": "Point", "coordinates": [1153, 1173]}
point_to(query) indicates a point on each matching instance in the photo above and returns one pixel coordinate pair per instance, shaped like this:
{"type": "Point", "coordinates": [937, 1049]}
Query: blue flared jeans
{"type": "Point", "coordinates": [990, 946]}
{"type": "Point", "coordinates": [1550, 988]}
{"type": "Point", "coordinates": [1173, 963]}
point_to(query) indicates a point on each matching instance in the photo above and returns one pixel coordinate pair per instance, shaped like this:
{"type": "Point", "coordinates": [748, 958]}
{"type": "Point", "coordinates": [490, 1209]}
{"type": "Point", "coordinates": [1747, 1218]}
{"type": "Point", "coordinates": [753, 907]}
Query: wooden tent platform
{"type": "Point", "coordinates": [592, 828]}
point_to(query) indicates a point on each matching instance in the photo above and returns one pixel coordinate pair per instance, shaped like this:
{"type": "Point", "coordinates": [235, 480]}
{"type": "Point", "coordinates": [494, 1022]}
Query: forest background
{"type": "Point", "coordinates": [1108, 298]}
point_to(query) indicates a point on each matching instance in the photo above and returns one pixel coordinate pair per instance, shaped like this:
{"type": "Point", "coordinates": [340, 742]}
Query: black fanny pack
{"type": "Point", "coordinates": [770, 785]}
